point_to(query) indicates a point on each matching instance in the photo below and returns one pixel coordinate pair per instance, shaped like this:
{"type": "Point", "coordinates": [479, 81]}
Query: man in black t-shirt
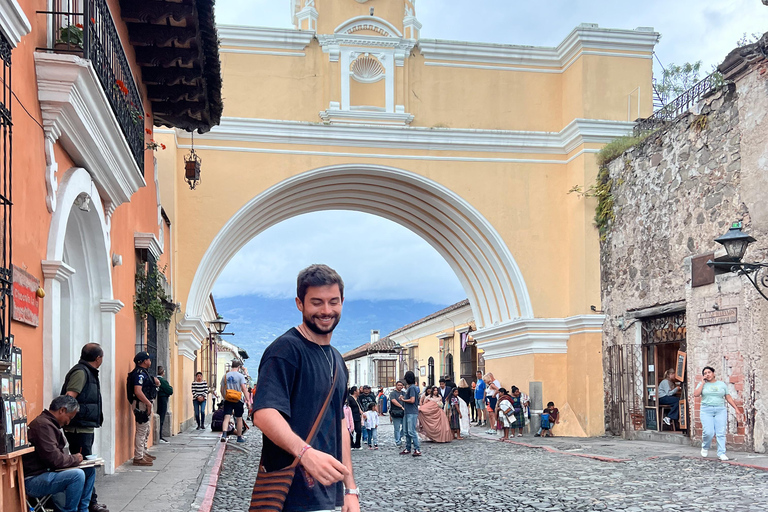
{"type": "Point", "coordinates": [295, 376]}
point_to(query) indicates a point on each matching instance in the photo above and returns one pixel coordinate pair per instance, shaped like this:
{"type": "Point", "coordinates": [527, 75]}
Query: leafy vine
{"type": "Point", "coordinates": [150, 298]}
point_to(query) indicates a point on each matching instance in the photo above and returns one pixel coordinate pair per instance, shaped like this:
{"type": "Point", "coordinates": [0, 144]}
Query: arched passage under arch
{"type": "Point", "coordinates": [457, 231]}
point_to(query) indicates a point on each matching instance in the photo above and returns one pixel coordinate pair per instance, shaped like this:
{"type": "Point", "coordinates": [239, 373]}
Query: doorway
{"type": "Point", "coordinates": [664, 348]}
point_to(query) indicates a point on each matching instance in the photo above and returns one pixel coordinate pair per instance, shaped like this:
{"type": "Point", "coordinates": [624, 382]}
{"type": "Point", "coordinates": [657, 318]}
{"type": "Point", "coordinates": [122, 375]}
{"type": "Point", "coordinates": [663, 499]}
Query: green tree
{"type": "Point", "coordinates": [675, 80]}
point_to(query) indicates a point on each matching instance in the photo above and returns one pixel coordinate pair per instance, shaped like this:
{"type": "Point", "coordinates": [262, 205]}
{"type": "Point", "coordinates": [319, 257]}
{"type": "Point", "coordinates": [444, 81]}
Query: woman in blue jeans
{"type": "Point", "coordinates": [713, 413]}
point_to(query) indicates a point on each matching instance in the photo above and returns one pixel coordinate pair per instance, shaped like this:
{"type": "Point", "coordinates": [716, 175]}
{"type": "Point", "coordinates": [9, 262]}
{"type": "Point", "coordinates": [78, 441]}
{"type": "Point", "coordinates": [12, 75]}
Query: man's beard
{"type": "Point", "coordinates": [312, 326]}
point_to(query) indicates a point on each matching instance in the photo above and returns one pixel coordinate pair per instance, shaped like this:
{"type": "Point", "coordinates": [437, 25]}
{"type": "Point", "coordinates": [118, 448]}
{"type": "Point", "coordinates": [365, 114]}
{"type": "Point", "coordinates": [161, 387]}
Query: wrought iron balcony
{"type": "Point", "coordinates": [92, 34]}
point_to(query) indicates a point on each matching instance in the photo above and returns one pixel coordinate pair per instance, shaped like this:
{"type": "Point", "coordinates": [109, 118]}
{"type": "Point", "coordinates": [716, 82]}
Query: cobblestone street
{"type": "Point", "coordinates": [480, 474]}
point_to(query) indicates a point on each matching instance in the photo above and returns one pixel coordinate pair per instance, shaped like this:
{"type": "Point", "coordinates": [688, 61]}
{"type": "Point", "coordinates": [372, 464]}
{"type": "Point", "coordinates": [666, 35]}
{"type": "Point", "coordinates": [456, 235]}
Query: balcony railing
{"type": "Point", "coordinates": [92, 34]}
{"type": "Point", "coordinates": [681, 104]}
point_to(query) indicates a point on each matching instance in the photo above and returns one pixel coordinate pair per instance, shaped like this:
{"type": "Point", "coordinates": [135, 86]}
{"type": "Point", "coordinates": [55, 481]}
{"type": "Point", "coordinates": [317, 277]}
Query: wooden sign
{"type": "Point", "coordinates": [680, 367]}
{"type": "Point", "coordinates": [718, 317]}
{"type": "Point", "coordinates": [683, 413]}
{"type": "Point", "coordinates": [25, 305]}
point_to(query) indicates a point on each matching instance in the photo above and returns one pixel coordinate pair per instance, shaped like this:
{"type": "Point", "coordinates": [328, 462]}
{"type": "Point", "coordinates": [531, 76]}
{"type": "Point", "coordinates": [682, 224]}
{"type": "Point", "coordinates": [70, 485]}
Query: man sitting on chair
{"type": "Point", "coordinates": [50, 455]}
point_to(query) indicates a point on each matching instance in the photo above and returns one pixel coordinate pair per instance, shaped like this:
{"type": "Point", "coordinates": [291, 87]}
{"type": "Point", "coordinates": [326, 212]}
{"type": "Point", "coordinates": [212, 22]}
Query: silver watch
{"type": "Point", "coordinates": [354, 491]}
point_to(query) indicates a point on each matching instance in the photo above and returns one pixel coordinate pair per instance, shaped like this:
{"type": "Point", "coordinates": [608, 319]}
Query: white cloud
{"type": "Point", "coordinates": [377, 259]}
{"type": "Point", "coordinates": [691, 30]}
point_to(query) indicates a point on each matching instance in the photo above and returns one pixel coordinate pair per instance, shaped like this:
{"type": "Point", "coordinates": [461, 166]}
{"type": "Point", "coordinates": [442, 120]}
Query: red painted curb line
{"type": "Point", "coordinates": [213, 482]}
{"type": "Point", "coordinates": [601, 458]}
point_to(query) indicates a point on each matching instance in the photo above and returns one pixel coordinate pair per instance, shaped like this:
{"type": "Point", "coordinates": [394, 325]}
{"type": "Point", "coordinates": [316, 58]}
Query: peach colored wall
{"type": "Point", "coordinates": [31, 223]}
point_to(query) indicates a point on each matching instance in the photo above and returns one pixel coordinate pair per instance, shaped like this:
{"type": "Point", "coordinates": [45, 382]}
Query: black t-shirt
{"type": "Point", "coordinates": [366, 401]}
{"type": "Point", "coordinates": [294, 378]}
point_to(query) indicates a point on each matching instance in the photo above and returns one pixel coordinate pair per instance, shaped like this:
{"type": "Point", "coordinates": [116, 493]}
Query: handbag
{"type": "Point", "coordinates": [271, 487]}
{"type": "Point", "coordinates": [233, 395]}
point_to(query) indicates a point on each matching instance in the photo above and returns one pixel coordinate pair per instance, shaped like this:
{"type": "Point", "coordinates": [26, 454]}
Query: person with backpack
{"type": "Point", "coordinates": [141, 389]}
{"type": "Point", "coordinates": [235, 392]}
{"type": "Point", "coordinates": [163, 394]}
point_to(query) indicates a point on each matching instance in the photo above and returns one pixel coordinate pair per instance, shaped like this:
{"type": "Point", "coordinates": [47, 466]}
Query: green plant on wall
{"type": "Point", "coordinates": [602, 189]}
{"type": "Point", "coordinates": [150, 298]}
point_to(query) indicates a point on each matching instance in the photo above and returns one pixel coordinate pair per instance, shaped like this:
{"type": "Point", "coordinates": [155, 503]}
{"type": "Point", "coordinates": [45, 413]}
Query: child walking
{"type": "Point", "coordinates": [371, 421]}
{"type": "Point", "coordinates": [549, 417]}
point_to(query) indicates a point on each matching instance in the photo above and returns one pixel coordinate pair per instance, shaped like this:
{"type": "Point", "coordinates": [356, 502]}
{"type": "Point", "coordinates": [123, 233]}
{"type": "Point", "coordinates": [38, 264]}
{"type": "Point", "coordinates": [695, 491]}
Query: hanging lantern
{"type": "Point", "coordinates": [192, 166]}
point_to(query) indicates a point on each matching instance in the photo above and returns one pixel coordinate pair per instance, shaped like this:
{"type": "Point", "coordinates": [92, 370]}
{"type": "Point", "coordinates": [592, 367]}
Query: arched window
{"type": "Point", "coordinates": [431, 379]}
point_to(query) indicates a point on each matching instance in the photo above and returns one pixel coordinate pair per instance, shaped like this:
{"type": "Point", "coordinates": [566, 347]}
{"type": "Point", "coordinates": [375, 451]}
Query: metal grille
{"type": "Point", "coordinates": [6, 201]}
{"type": "Point", "coordinates": [665, 329]}
{"type": "Point", "coordinates": [89, 30]}
{"type": "Point", "coordinates": [621, 379]}
{"type": "Point", "coordinates": [681, 104]}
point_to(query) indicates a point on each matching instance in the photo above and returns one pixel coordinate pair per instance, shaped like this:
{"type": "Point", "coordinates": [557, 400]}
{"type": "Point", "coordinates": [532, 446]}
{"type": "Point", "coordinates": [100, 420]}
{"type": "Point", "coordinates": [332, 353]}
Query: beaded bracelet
{"type": "Point", "coordinates": [306, 447]}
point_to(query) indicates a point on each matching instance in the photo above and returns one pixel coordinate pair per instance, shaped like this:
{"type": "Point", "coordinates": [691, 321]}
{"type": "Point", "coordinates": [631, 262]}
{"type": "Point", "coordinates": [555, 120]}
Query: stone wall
{"type": "Point", "coordinates": [674, 194]}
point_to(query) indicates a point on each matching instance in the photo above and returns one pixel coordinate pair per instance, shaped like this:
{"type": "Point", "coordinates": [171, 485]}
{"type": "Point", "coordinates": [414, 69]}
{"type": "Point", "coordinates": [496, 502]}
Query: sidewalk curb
{"type": "Point", "coordinates": [731, 462]}
{"type": "Point", "coordinates": [204, 497]}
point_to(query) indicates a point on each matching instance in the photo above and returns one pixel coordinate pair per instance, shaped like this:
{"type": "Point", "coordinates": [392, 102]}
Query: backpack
{"type": "Point", "coordinates": [129, 387]}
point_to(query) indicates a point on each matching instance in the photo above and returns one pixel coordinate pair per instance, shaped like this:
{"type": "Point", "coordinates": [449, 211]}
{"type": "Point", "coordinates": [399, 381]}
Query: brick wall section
{"type": "Point", "coordinates": [673, 195]}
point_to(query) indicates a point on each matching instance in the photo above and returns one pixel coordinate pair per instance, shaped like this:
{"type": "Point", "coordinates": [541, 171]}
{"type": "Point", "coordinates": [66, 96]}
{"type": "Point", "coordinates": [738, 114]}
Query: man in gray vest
{"type": "Point", "coordinates": [82, 383]}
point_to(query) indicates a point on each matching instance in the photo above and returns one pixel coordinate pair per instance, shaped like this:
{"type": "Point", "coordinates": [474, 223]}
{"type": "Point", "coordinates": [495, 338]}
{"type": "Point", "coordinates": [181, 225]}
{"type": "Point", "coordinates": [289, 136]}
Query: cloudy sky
{"type": "Point", "coordinates": [380, 260]}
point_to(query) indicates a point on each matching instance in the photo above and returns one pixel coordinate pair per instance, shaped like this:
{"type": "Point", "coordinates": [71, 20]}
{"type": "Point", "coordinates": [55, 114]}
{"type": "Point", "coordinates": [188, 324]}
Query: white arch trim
{"type": "Point", "coordinates": [375, 23]}
{"type": "Point", "coordinates": [75, 182]}
{"type": "Point", "coordinates": [468, 242]}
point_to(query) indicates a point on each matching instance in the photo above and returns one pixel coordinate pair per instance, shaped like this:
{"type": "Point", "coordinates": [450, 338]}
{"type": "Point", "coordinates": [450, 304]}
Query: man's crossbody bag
{"type": "Point", "coordinates": [271, 487]}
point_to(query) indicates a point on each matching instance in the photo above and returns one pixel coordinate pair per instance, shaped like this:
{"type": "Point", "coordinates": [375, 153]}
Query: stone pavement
{"type": "Point", "coordinates": [481, 474]}
{"type": "Point", "coordinates": [175, 482]}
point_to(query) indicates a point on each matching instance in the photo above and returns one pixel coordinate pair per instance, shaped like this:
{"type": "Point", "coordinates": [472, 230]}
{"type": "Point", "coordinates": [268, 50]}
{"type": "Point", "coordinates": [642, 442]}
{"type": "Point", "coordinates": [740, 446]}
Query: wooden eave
{"type": "Point", "coordinates": [177, 49]}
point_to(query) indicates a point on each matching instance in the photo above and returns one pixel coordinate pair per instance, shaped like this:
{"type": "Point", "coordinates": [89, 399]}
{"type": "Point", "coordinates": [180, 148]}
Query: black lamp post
{"type": "Point", "coordinates": [219, 325]}
{"type": "Point", "coordinates": [735, 242]}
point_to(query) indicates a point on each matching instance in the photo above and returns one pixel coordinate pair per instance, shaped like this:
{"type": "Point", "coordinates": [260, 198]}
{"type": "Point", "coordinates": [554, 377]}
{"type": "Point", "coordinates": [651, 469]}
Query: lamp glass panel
{"type": "Point", "coordinates": [736, 248]}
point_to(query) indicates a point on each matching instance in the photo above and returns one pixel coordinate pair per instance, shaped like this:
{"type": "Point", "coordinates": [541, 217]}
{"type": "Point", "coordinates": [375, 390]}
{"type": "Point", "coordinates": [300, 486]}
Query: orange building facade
{"type": "Point", "coordinates": [87, 82]}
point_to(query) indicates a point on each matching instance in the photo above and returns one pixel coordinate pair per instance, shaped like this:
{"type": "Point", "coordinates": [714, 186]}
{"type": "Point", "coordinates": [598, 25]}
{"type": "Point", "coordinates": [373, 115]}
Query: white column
{"type": "Point", "coordinates": [109, 308]}
{"type": "Point", "coordinates": [55, 273]}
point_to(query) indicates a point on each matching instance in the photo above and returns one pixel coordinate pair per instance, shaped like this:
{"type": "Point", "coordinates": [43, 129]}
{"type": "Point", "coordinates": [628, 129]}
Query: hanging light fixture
{"type": "Point", "coordinates": [192, 166]}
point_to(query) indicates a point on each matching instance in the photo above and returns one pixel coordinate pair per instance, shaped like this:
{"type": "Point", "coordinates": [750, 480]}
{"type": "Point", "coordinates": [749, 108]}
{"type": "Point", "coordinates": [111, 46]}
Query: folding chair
{"type": "Point", "coordinates": [35, 504]}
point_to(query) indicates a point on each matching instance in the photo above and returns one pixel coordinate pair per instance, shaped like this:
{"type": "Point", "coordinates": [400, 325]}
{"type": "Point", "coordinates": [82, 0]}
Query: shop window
{"type": "Point", "coordinates": [386, 373]}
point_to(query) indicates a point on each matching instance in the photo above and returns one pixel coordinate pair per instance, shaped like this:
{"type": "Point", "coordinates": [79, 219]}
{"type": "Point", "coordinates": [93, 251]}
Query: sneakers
{"type": "Point", "coordinates": [405, 452]}
{"type": "Point", "coordinates": [704, 452]}
{"type": "Point", "coordinates": [416, 453]}
{"type": "Point", "coordinates": [142, 462]}
{"type": "Point", "coordinates": [519, 435]}
{"type": "Point", "coordinates": [536, 435]}
{"type": "Point", "coordinates": [223, 438]}
{"type": "Point", "coordinates": [723, 457]}
{"type": "Point", "coordinates": [370, 447]}
{"type": "Point", "coordinates": [667, 421]}
{"type": "Point", "coordinates": [376, 447]}
{"type": "Point", "coordinates": [163, 440]}
{"type": "Point", "coordinates": [240, 439]}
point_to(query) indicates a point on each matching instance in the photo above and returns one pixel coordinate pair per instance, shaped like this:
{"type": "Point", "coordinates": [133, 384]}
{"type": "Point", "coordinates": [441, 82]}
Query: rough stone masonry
{"type": "Point", "coordinates": [673, 195]}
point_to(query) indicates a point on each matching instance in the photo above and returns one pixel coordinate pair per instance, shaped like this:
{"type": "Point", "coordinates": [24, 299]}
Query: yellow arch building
{"type": "Point", "coordinates": [472, 146]}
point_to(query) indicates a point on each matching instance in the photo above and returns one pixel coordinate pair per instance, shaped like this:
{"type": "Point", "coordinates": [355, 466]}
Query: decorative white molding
{"type": "Point", "coordinates": [13, 22]}
{"type": "Point", "coordinates": [364, 117]}
{"type": "Point", "coordinates": [534, 335]}
{"type": "Point", "coordinates": [76, 112]}
{"type": "Point", "coordinates": [51, 168]}
{"type": "Point", "coordinates": [111, 306]}
{"type": "Point", "coordinates": [57, 270]}
{"type": "Point", "coordinates": [466, 240]}
{"type": "Point", "coordinates": [328, 41]}
{"type": "Point", "coordinates": [190, 332]}
{"type": "Point", "coordinates": [578, 132]}
{"type": "Point", "coordinates": [445, 335]}
{"type": "Point", "coordinates": [411, 23]}
{"type": "Point", "coordinates": [372, 23]}
{"type": "Point", "coordinates": [308, 14]}
{"type": "Point", "coordinates": [582, 37]}
{"type": "Point", "coordinates": [149, 242]}
{"type": "Point", "coordinates": [260, 37]}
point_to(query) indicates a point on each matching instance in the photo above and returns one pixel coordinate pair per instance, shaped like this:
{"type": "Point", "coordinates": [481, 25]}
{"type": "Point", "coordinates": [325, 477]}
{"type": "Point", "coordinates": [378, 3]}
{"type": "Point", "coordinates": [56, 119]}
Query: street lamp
{"type": "Point", "coordinates": [219, 325]}
{"type": "Point", "coordinates": [735, 242]}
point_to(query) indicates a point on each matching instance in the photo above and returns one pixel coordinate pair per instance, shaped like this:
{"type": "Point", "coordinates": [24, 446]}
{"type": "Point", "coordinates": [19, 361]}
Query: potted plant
{"type": "Point", "coordinates": [70, 38]}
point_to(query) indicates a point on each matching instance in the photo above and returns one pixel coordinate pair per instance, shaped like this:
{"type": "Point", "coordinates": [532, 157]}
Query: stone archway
{"type": "Point", "coordinates": [78, 304]}
{"type": "Point", "coordinates": [470, 245]}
